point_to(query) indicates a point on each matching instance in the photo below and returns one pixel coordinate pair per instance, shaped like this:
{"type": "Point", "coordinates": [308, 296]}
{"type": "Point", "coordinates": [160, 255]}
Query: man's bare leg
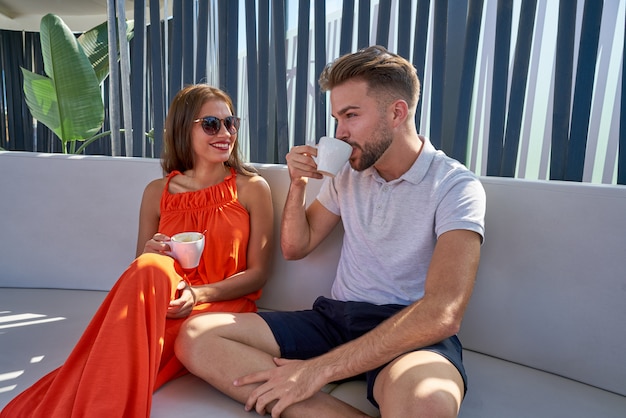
{"type": "Point", "coordinates": [221, 347]}
{"type": "Point", "coordinates": [419, 384]}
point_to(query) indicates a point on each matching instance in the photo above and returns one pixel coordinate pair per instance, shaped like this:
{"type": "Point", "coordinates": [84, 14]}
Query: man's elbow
{"type": "Point", "coordinates": [450, 322]}
{"type": "Point", "coordinates": [452, 328]}
{"type": "Point", "coordinates": [291, 252]}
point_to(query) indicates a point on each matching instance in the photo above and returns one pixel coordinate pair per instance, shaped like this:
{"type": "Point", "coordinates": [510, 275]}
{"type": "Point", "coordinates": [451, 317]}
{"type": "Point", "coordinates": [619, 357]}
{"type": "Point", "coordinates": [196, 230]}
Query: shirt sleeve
{"type": "Point", "coordinates": [328, 195]}
{"type": "Point", "coordinates": [462, 206]}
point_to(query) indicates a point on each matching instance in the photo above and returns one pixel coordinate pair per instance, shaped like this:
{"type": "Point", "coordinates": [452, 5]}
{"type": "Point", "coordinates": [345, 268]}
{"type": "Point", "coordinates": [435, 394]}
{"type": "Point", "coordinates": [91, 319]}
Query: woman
{"type": "Point", "coordinates": [127, 351]}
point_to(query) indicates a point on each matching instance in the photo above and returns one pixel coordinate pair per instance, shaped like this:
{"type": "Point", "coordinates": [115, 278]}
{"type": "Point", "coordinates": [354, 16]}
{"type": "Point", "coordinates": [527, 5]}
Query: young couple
{"type": "Point", "coordinates": [414, 224]}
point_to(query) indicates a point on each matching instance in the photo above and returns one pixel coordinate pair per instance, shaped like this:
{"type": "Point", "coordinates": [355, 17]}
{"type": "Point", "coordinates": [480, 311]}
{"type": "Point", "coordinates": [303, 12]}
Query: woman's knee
{"type": "Point", "coordinates": [151, 269]}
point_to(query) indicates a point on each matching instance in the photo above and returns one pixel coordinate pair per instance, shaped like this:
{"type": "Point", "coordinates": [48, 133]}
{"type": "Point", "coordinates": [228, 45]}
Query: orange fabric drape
{"type": "Point", "coordinates": [127, 350]}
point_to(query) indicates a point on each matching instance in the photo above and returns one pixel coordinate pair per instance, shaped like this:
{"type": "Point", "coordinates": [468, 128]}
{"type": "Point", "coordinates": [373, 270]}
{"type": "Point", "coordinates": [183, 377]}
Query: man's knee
{"type": "Point", "coordinates": [420, 399]}
{"type": "Point", "coordinates": [419, 384]}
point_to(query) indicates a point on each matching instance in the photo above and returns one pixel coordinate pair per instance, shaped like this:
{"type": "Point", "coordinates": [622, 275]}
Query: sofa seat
{"type": "Point", "coordinates": [39, 327]}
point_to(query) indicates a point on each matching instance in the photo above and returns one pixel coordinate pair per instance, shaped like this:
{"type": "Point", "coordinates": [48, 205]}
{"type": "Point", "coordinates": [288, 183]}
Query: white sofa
{"type": "Point", "coordinates": [544, 334]}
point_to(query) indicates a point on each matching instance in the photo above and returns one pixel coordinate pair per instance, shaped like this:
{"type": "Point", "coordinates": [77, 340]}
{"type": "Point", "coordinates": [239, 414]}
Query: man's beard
{"type": "Point", "coordinates": [373, 149]}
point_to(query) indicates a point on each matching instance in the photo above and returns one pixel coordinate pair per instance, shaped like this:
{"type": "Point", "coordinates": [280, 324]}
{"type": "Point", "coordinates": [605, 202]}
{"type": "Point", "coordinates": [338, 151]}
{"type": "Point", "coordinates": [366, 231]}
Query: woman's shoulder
{"type": "Point", "coordinates": [254, 182]}
{"type": "Point", "coordinates": [154, 189]}
{"type": "Point", "coordinates": [252, 187]}
{"type": "Point", "coordinates": [156, 185]}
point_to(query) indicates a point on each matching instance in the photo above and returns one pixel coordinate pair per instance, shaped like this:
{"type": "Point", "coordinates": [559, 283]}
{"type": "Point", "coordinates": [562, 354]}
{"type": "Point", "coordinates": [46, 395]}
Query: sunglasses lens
{"type": "Point", "coordinates": [211, 125]}
{"type": "Point", "coordinates": [232, 124]}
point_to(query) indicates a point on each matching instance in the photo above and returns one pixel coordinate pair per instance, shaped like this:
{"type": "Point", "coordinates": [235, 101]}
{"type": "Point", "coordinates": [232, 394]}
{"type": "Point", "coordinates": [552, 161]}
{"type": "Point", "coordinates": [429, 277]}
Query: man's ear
{"type": "Point", "coordinates": [400, 110]}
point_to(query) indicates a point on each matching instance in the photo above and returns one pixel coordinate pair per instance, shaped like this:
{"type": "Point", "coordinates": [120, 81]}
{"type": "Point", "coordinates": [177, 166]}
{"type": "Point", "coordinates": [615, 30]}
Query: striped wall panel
{"type": "Point", "coordinates": [517, 88]}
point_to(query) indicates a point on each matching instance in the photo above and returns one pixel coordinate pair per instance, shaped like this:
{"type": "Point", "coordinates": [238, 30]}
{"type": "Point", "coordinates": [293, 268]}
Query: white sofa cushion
{"type": "Point", "coordinates": [33, 346]}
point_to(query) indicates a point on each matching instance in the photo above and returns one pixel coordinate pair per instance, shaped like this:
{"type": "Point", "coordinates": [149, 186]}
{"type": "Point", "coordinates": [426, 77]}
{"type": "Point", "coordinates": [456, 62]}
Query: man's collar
{"type": "Point", "coordinates": [416, 173]}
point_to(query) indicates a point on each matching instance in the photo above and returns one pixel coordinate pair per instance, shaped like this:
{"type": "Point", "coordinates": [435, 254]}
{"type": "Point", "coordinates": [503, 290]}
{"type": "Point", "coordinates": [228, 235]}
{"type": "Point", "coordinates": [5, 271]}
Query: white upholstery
{"type": "Point", "coordinates": [553, 278]}
{"type": "Point", "coordinates": [548, 300]}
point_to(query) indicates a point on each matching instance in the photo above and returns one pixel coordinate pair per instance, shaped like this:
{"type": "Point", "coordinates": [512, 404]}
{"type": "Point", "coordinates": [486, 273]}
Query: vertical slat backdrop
{"type": "Point", "coordinates": [564, 67]}
{"type": "Point", "coordinates": [347, 25]}
{"type": "Point", "coordinates": [404, 29]}
{"type": "Point", "coordinates": [138, 84]}
{"type": "Point", "coordinates": [12, 61]}
{"type": "Point", "coordinates": [261, 136]}
{"type": "Point", "coordinates": [176, 50]}
{"type": "Point", "coordinates": [320, 61]}
{"type": "Point", "coordinates": [302, 75]}
{"type": "Point", "coordinates": [516, 84]}
{"type": "Point", "coordinates": [156, 68]}
{"type": "Point", "coordinates": [188, 45]}
{"type": "Point", "coordinates": [499, 89]}
{"type": "Point", "coordinates": [363, 25]}
{"type": "Point", "coordinates": [228, 59]}
{"type": "Point", "coordinates": [583, 90]}
{"type": "Point", "coordinates": [438, 71]}
{"type": "Point", "coordinates": [282, 111]}
{"type": "Point", "coordinates": [384, 19]}
{"type": "Point", "coordinates": [5, 62]}
{"type": "Point", "coordinates": [420, 41]}
{"type": "Point", "coordinates": [201, 43]}
{"type": "Point", "coordinates": [253, 77]}
{"type": "Point", "coordinates": [621, 161]}
{"type": "Point", "coordinates": [472, 37]}
{"type": "Point", "coordinates": [517, 95]}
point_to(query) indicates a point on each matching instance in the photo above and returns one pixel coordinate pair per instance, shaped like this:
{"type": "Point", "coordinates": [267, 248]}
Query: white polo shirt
{"type": "Point", "coordinates": [391, 227]}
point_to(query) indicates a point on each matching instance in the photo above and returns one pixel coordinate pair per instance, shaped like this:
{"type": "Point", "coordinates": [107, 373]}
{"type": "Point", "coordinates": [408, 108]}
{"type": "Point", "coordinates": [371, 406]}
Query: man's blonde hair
{"type": "Point", "coordinates": [388, 76]}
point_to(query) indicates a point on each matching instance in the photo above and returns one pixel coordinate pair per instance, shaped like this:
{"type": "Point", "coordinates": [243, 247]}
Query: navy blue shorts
{"type": "Point", "coordinates": [330, 323]}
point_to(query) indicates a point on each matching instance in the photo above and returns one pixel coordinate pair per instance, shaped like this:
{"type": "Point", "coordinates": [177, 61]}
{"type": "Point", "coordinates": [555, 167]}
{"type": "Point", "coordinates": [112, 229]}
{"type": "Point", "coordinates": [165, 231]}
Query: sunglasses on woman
{"type": "Point", "coordinates": [211, 125]}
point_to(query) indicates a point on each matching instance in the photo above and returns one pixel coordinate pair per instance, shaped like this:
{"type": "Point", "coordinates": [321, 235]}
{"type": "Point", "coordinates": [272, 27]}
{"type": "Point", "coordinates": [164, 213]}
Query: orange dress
{"type": "Point", "coordinates": [127, 350]}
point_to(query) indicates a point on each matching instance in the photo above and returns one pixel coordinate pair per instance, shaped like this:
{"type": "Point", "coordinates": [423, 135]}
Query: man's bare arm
{"type": "Point", "coordinates": [302, 229]}
{"type": "Point", "coordinates": [435, 317]}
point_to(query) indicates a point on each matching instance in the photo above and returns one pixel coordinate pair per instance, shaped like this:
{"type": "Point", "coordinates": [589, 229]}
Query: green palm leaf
{"type": "Point", "coordinates": [42, 100]}
{"type": "Point", "coordinates": [95, 43]}
{"type": "Point", "coordinates": [68, 100]}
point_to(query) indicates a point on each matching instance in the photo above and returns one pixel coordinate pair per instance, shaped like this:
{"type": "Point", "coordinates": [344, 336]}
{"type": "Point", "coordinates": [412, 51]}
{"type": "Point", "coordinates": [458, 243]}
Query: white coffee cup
{"type": "Point", "coordinates": [332, 154]}
{"type": "Point", "coordinates": [186, 247]}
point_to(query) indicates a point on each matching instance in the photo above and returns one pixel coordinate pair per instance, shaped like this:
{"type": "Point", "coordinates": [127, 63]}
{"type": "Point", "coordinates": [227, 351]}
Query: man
{"type": "Point", "coordinates": [413, 221]}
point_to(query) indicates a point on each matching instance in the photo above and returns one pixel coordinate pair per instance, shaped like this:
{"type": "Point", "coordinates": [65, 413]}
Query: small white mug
{"type": "Point", "coordinates": [332, 154]}
{"type": "Point", "coordinates": [186, 247]}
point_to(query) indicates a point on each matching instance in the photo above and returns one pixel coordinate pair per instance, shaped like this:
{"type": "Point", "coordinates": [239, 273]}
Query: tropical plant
{"type": "Point", "coordinates": [68, 98]}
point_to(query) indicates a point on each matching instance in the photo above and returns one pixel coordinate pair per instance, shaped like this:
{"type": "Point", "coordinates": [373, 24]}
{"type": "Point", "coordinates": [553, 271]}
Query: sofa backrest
{"type": "Point", "coordinates": [70, 222]}
{"type": "Point", "coordinates": [295, 284]}
{"type": "Point", "coordinates": [551, 286]}
{"type": "Point", "coordinates": [550, 291]}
